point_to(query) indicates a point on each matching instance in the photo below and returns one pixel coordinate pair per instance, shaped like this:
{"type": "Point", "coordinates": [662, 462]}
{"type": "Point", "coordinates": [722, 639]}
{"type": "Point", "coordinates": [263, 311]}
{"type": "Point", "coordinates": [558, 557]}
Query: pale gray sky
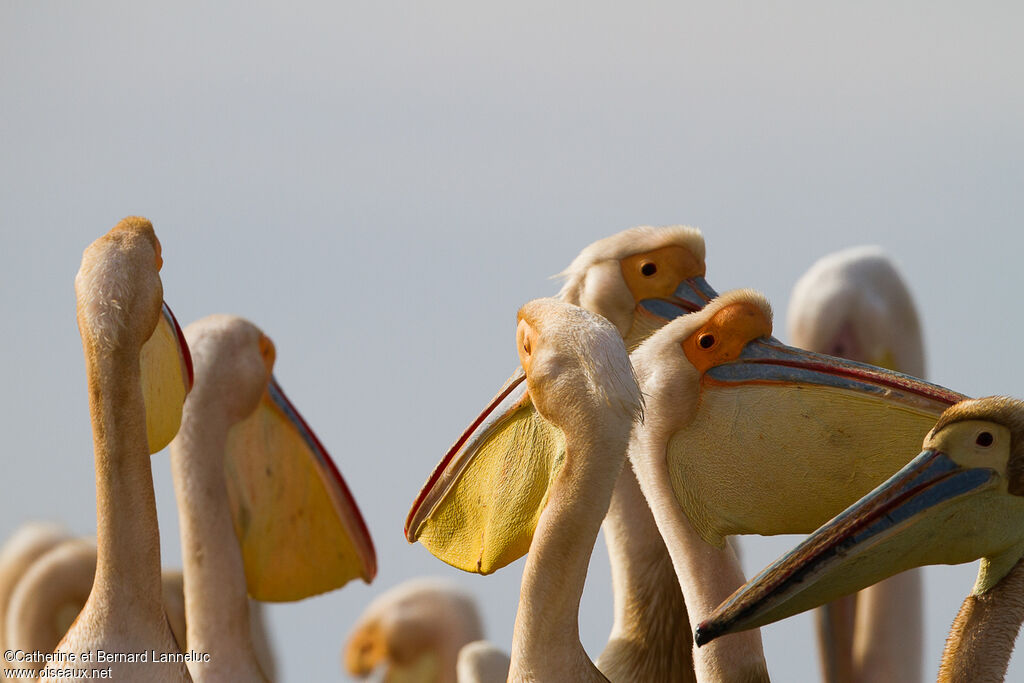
{"type": "Point", "coordinates": [381, 185]}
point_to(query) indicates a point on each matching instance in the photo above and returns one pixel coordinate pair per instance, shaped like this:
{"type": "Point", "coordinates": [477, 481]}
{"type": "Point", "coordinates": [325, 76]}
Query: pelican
{"type": "Point", "coordinates": [578, 374]}
{"type": "Point", "coordinates": [414, 632]}
{"type": "Point", "coordinates": [854, 304]}
{"type": "Point", "coordinates": [245, 462]}
{"type": "Point", "coordinates": [720, 365]}
{"type": "Point", "coordinates": [136, 392]}
{"type": "Point", "coordinates": [739, 427]}
{"type": "Point", "coordinates": [579, 377]}
{"type": "Point", "coordinates": [961, 499]}
{"type": "Point", "coordinates": [637, 279]}
{"type": "Point", "coordinates": [19, 552]}
{"type": "Point", "coordinates": [52, 592]}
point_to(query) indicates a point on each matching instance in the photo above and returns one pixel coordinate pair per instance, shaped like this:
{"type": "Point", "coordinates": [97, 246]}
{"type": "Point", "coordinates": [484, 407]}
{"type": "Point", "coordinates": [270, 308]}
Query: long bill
{"type": "Point", "coordinates": [299, 528]}
{"type": "Point", "coordinates": [768, 361]}
{"type": "Point", "coordinates": [479, 509]}
{"type": "Point", "coordinates": [933, 511]}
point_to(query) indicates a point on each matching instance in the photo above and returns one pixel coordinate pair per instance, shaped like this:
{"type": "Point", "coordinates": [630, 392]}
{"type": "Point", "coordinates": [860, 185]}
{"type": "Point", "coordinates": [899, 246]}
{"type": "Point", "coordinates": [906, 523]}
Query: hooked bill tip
{"type": "Point", "coordinates": [702, 636]}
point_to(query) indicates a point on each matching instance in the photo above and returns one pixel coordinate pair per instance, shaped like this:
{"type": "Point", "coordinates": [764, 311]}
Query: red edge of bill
{"type": "Point", "coordinates": [186, 353]}
{"type": "Point", "coordinates": [439, 469]}
{"type": "Point", "coordinates": [346, 505]}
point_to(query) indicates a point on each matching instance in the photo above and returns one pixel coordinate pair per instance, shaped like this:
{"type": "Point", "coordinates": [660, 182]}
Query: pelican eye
{"type": "Point", "coordinates": [648, 269]}
{"type": "Point", "coordinates": [706, 341]}
{"type": "Point", "coordinates": [984, 439]}
{"type": "Point", "coordinates": [526, 344]}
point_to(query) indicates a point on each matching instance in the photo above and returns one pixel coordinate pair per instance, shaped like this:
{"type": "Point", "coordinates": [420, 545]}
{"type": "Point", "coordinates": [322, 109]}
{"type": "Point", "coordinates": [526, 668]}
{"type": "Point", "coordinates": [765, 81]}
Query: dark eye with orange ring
{"type": "Point", "coordinates": [706, 341]}
{"type": "Point", "coordinates": [984, 439]}
{"type": "Point", "coordinates": [648, 269]}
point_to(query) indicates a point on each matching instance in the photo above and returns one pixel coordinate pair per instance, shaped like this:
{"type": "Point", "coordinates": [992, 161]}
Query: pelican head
{"type": "Point", "coordinates": [234, 362]}
{"type": "Point", "coordinates": [566, 351]}
{"type": "Point", "coordinates": [120, 309]}
{"type": "Point", "coordinates": [300, 530]}
{"type": "Point", "coordinates": [415, 631]}
{"type": "Point", "coordinates": [638, 279]}
{"type": "Point", "coordinates": [961, 499]}
{"type": "Point", "coordinates": [764, 438]}
{"type": "Point", "coordinates": [118, 287]}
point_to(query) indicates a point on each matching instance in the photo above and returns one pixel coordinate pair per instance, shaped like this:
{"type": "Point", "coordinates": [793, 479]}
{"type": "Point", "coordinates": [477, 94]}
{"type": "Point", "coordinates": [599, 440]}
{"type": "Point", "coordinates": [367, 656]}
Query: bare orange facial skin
{"type": "Point", "coordinates": [268, 352]}
{"type": "Point", "coordinates": [365, 651]}
{"type": "Point", "coordinates": [722, 338]}
{"type": "Point", "coordinates": [159, 253]}
{"type": "Point", "coordinates": [658, 273]}
{"type": "Point", "coordinates": [525, 339]}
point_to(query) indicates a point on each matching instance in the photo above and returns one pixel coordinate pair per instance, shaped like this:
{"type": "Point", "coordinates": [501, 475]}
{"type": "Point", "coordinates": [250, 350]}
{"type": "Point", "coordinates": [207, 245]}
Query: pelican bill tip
{"type": "Point", "coordinates": [705, 633]}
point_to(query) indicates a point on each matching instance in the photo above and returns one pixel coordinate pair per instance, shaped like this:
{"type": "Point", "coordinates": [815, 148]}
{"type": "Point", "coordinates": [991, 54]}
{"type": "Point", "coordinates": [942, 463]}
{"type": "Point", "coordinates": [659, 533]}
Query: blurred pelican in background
{"type": "Point", "coordinates": [854, 304]}
{"type": "Point", "coordinates": [414, 632]}
{"type": "Point", "coordinates": [26, 545]}
{"type": "Point", "coordinates": [52, 591]}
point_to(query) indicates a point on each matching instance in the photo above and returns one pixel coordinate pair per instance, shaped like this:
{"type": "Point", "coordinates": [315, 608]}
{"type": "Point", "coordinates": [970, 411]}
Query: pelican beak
{"type": "Point", "coordinates": [480, 506]}
{"type": "Point", "coordinates": [691, 295]}
{"type": "Point", "coordinates": [768, 361]}
{"type": "Point", "coordinates": [166, 366]}
{"type": "Point", "coordinates": [804, 422]}
{"type": "Point", "coordinates": [933, 511]}
{"type": "Point", "coordinates": [298, 525]}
